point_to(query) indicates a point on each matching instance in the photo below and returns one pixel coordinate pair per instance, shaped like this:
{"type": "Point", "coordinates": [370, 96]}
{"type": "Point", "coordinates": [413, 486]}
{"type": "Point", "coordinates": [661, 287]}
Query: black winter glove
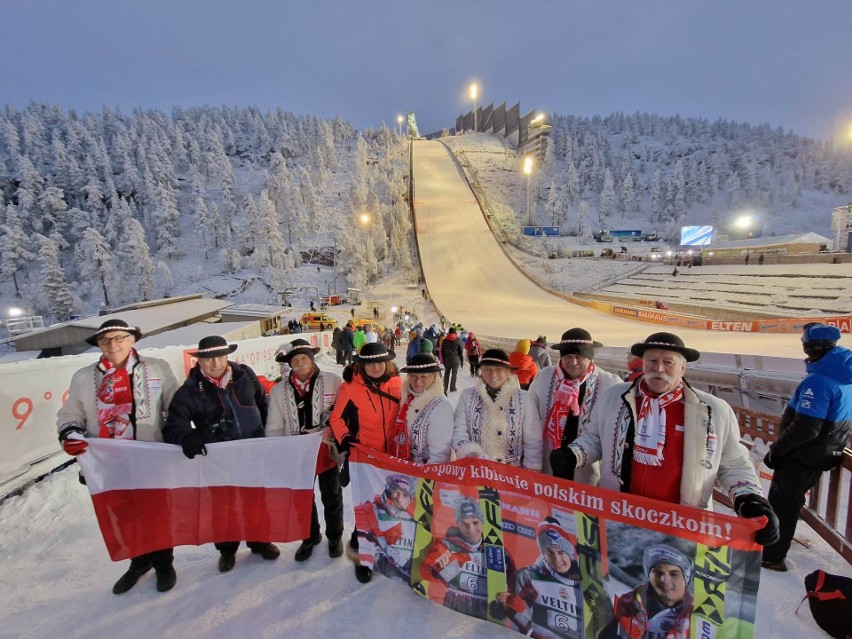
{"type": "Point", "coordinates": [563, 462]}
{"type": "Point", "coordinates": [753, 505]}
{"type": "Point", "coordinates": [344, 445]}
{"type": "Point", "coordinates": [344, 472]}
{"type": "Point", "coordinates": [193, 445]}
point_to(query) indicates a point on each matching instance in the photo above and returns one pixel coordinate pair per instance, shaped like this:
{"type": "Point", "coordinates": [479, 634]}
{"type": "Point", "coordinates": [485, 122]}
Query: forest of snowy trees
{"type": "Point", "coordinates": [655, 168]}
{"type": "Point", "coordinates": [103, 209]}
{"type": "Point", "coordinates": [109, 208]}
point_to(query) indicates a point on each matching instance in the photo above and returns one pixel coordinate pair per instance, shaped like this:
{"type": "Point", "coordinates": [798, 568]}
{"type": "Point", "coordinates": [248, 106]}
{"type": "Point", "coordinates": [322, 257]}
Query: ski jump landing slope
{"type": "Point", "coordinates": [472, 281]}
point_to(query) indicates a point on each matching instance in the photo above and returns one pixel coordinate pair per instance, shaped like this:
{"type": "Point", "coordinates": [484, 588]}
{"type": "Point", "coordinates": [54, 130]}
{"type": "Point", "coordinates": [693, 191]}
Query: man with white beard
{"type": "Point", "coordinates": [658, 437]}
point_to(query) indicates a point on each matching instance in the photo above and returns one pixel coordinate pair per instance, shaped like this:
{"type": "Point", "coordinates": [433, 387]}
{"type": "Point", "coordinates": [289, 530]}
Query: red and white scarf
{"type": "Point", "coordinates": [566, 401]}
{"type": "Point", "coordinates": [651, 425]}
{"type": "Point", "coordinates": [221, 382]}
{"type": "Point", "coordinates": [301, 386]}
{"type": "Point", "coordinates": [401, 444]}
{"type": "Point", "coordinates": [115, 400]}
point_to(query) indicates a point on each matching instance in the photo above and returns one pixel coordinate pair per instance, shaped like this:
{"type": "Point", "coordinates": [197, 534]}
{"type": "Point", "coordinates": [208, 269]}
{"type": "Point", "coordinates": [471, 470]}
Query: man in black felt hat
{"type": "Point", "coordinates": [121, 396]}
{"type": "Point", "coordinates": [299, 404]}
{"type": "Point", "coordinates": [564, 396]}
{"type": "Point", "coordinates": [219, 401]}
{"type": "Point", "coordinates": [658, 437]}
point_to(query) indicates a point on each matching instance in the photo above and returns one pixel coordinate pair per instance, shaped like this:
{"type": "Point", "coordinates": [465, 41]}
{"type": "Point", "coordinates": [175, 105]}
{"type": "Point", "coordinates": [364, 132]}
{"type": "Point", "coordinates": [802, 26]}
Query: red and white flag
{"type": "Point", "coordinates": [148, 496]}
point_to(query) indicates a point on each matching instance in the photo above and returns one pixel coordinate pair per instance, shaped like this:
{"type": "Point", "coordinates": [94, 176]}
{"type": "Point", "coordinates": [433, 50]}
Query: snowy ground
{"type": "Point", "coordinates": [57, 580]}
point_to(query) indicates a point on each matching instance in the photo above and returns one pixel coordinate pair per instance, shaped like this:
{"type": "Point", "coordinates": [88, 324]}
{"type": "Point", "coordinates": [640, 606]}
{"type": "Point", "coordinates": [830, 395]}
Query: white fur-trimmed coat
{"type": "Point", "coordinates": [429, 423]}
{"type": "Point", "coordinates": [506, 430]}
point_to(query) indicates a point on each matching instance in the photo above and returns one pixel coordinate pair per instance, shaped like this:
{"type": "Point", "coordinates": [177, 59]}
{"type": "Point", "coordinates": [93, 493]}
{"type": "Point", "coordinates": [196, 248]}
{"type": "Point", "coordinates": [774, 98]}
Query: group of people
{"type": "Point", "coordinates": [653, 435]}
{"type": "Point", "coordinates": [347, 341]}
{"type": "Point", "coordinates": [125, 395]}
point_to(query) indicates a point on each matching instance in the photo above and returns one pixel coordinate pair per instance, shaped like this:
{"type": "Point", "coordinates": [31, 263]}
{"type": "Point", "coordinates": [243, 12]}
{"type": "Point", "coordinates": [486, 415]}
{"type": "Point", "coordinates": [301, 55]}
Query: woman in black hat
{"type": "Point", "coordinates": [224, 401]}
{"type": "Point", "coordinates": [365, 412]}
{"type": "Point", "coordinates": [424, 425]}
{"type": "Point", "coordinates": [497, 420]}
{"type": "Point", "coordinates": [300, 404]}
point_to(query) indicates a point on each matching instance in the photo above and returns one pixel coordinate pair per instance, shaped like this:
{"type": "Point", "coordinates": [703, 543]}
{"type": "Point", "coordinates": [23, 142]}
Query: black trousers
{"type": "Point", "coordinates": [332, 504]}
{"type": "Point", "coordinates": [450, 374]}
{"type": "Point", "coordinates": [790, 482]}
{"type": "Point", "coordinates": [230, 547]}
{"type": "Point", "coordinates": [474, 364]}
{"type": "Point", "coordinates": [158, 559]}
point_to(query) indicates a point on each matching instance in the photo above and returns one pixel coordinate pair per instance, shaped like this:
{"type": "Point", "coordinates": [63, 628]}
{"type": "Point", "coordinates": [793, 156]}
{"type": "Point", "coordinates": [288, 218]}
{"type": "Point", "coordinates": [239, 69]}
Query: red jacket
{"type": "Point", "coordinates": [372, 415]}
{"type": "Point", "coordinates": [525, 365]}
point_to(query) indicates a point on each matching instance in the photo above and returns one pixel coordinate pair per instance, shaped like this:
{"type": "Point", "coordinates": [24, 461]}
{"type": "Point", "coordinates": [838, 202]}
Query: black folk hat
{"type": "Point", "coordinates": [495, 357]}
{"type": "Point", "coordinates": [213, 346]}
{"type": "Point", "coordinates": [374, 352]}
{"type": "Point", "coordinates": [576, 341]}
{"type": "Point", "coordinates": [422, 363]}
{"type": "Point", "coordinates": [114, 325]}
{"type": "Point", "coordinates": [297, 347]}
{"type": "Point", "coordinates": [666, 342]}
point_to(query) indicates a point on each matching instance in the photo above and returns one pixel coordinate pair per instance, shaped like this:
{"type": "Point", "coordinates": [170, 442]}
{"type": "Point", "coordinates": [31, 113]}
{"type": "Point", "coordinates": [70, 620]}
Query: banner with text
{"type": "Point", "coordinates": [552, 558]}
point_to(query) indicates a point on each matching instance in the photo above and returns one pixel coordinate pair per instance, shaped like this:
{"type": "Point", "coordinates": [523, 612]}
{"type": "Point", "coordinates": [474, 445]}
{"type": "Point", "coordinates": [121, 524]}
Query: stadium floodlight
{"type": "Point", "coordinates": [528, 167]}
{"type": "Point", "coordinates": [744, 222]}
{"type": "Point", "coordinates": [474, 90]}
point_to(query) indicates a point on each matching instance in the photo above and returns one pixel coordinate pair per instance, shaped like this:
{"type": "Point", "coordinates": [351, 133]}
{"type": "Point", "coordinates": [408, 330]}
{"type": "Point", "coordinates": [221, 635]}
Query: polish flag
{"type": "Point", "coordinates": [149, 496]}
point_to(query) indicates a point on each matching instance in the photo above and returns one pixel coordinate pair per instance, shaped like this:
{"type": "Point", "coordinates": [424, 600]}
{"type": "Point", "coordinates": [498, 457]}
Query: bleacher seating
{"type": "Point", "coordinates": [779, 290]}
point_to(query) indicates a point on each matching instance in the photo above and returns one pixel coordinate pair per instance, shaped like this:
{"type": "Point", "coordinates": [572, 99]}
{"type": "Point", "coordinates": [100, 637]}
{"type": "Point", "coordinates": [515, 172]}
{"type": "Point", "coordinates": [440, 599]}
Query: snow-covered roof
{"type": "Point", "coordinates": [256, 310]}
{"type": "Point", "coordinates": [192, 334]}
{"type": "Point", "coordinates": [150, 318]}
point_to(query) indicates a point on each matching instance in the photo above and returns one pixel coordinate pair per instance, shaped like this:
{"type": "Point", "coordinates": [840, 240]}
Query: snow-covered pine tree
{"type": "Point", "coordinates": [203, 227]}
{"type": "Point", "coordinates": [165, 282]}
{"type": "Point", "coordinates": [165, 216]}
{"type": "Point", "coordinates": [135, 264]}
{"type": "Point", "coordinates": [95, 261]}
{"type": "Point", "coordinates": [55, 294]}
{"type": "Point", "coordinates": [607, 199]}
{"type": "Point", "coordinates": [14, 247]}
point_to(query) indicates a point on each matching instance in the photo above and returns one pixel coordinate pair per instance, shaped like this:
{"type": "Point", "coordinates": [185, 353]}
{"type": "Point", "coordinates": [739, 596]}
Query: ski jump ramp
{"type": "Point", "coordinates": [473, 282]}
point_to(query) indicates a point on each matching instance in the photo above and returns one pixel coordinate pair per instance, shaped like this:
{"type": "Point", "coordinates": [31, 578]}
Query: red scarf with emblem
{"type": "Point", "coordinates": [400, 446]}
{"type": "Point", "coordinates": [115, 400]}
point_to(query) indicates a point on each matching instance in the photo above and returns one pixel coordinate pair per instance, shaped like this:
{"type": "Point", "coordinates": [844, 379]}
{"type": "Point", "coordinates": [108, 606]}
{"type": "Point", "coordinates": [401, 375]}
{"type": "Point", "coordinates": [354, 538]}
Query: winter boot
{"type": "Point", "coordinates": [268, 551]}
{"type": "Point", "coordinates": [777, 566]}
{"type": "Point", "coordinates": [363, 574]}
{"type": "Point", "coordinates": [138, 567]}
{"type": "Point", "coordinates": [166, 578]}
{"type": "Point", "coordinates": [227, 561]}
{"type": "Point", "coordinates": [306, 549]}
{"type": "Point", "coordinates": [335, 548]}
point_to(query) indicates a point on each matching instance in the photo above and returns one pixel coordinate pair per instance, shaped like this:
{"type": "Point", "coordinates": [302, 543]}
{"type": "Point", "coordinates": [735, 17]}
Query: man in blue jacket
{"type": "Point", "coordinates": [814, 429]}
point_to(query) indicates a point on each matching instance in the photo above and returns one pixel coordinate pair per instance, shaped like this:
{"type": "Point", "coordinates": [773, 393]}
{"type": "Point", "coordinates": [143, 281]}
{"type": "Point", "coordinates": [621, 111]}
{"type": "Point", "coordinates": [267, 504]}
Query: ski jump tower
{"type": "Point", "coordinates": [413, 132]}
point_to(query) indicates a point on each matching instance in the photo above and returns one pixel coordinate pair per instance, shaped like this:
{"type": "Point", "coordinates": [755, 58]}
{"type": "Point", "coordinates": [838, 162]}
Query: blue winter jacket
{"type": "Point", "coordinates": [817, 422]}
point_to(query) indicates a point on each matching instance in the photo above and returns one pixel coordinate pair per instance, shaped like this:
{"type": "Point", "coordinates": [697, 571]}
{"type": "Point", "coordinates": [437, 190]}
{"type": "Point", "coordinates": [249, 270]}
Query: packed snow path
{"type": "Point", "coordinates": [473, 282]}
